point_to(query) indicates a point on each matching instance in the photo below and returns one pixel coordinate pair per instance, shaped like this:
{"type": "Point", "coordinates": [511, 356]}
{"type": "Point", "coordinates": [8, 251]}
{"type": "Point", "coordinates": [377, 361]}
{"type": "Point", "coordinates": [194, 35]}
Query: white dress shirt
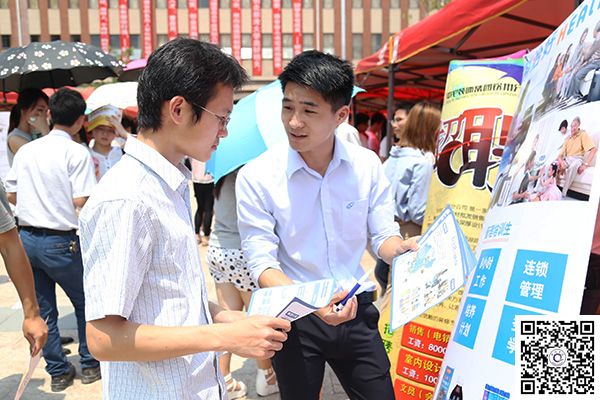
{"type": "Point", "coordinates": [311, 226]}
{"type": "Point", "coordinates": [47, 174]}
{"type": "Point", "coordinates": [141, 261]}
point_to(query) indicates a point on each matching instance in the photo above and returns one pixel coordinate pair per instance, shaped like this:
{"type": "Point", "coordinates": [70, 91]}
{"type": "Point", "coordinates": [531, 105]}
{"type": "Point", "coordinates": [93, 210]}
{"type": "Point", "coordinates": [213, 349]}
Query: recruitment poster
{"type": "Point", "coordinates": [480, 100]}
{"type": "Point", "coordinates": [535, 243]}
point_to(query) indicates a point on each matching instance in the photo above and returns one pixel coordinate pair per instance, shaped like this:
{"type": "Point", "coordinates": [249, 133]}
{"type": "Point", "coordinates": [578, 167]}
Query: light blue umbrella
{"type": "Point", "coordinates": [255, 126]}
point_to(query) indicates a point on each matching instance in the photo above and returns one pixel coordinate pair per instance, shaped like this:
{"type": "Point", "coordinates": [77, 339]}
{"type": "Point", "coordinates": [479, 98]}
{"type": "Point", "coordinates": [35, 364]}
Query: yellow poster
{"type": "Point", "coordinates": [480, 101]}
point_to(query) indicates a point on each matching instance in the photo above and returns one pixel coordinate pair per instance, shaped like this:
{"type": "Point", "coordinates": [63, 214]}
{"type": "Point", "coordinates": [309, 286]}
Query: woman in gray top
{"type": "Point", "coordinates": [227, 266]}
{"type": "Point", "coordinates": [28, 118]}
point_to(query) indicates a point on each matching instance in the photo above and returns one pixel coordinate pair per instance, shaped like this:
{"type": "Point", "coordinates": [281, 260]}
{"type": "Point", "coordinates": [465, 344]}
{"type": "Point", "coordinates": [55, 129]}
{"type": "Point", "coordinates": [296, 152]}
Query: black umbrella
{"type": "Point", "coordinates": [54, 65]}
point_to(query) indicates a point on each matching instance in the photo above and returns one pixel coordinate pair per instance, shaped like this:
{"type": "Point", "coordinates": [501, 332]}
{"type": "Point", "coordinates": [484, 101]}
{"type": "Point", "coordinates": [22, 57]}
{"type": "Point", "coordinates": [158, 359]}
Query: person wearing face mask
{"type": "Point", "coordinates": [27, 120]}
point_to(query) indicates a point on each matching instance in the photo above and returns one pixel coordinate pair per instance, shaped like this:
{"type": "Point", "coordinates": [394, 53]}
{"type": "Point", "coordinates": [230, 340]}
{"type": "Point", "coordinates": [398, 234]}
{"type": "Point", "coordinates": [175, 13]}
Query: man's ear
{"type": "Point", "coordinates": [175, 109]}
{"type": "Point", "coordinates": [342, 114]}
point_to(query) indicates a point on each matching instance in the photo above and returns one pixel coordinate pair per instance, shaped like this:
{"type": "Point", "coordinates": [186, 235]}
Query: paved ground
{"type": "Point", "coordinates": [14, 352]}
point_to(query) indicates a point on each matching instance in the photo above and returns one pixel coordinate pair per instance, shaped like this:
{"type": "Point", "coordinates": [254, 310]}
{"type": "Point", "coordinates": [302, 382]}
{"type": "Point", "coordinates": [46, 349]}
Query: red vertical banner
{"type": "Point", "coordinates": [213, 17]}
{"type": "Point", "coordinates": [172, 30]}
{"type": "Point", "coordinates": [236, 29]}
{"type": "Point", "coordinates": [146, 10]}
{"type": "Point", "coordinates": [104, 35]}
{"type": "Point", "coordinates": [297, 25]}
{"type": "Point", "coordinates": [124, 29]}
{"type": "Point", "coordinates": [193, 18]}
{"type": "Point", "coordinates": [256, 38]}
{"type": "Point", "coordinates": [277, 45]}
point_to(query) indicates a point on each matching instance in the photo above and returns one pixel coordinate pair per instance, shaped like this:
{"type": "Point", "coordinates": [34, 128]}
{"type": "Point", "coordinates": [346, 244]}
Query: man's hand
{"type": "Point", "coordinates": [257, 336]}
{"type": "Point", "coordinates": [581, 168]}
{"type": "Point", "coordinates": [36, 333]}
{"type": "Point", "coordinates": [409, 244]}
{"type": "Point", "coordinates": [225, 316]}
{"type": "Point", "coordinates": [348, 313]}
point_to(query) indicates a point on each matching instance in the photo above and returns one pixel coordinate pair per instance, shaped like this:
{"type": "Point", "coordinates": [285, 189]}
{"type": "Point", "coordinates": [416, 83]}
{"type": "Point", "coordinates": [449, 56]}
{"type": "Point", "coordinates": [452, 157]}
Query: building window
{"type": "Point", "coordinates": [375, 41]}
{"type": "Point", "coordinates": [33, 4]}
{"type": "Point", "coordinates": [54, 37]}
{"type": "Point", "coordinates": [307, 3]}
{"type": "Point", "coordinates": [4, 6]}
{"type": "Point", "coordinates": [34, 38]}
{"type": "Point", "coordinates": [162, 4]}
{"type": "Point", "coordinates": [205, 37]}
{"type": "Point", "coordinates": [308, 41]}
{"type": "Point", "coordinates": [93, 4]}
{"type": "Point", "coordinates": [203, 4]}
{"type": "Point", "coordinates": [161, 39]}
{"type": "Point", "coordinates": [134, 4]}
{"type": "Point", "coordinates": [286, 4]}
{"type": "Point", "coordinates": [95, 40]}
{"type": "Point", "coordinates": [288, 46]}
{"type": "Point", "coordinates": [53, 4]}
{"type": "Point", "coordinates": [375, 3]}
{"type": "Point", "coordinates": [113, 4]}
{"type": "Point", "coordinates": [73, 4]}
{"type": "Point", "coordinates": [357, 4]}
{"type": "Point", "coordinates": [395, 4]}
{"type": "Point", "coordinates": [224, 3]}
{"type": "Point", "coordinates": [267, 46]}
{"type": "Point", "coordinates": [75, 38]}
{"type": "Point", "coordinates": [246, 46]}
{"type": "Point", "coordinates": [246, 4]}
{"type": "Point", "coordinates": [357, 46]}
{"type": "Point", "coordinates": [226, 42]}
{"type": "Point", "coordinates": [414, 4]}
{"type": "Point", "coordinates": [5, 40]}
{"type": "Point", "coordinates": [266, 3]}
{"type": "Point", "coordinates": [182, 4]}
{"type": "Point", "coordinates": [327, 3]}
{"type": "Point", "coordinates": [328, 46]}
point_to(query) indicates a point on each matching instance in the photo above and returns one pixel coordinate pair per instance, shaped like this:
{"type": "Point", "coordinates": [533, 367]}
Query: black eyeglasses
{"type": "Point", "coordinates": [223, 119]}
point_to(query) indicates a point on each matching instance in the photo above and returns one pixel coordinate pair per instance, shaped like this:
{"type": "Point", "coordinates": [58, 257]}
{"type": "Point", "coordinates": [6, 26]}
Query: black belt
{"type": "Point", "coordinates": [365, 297]}
{"type": "Point", "coordinates": [46, 231]}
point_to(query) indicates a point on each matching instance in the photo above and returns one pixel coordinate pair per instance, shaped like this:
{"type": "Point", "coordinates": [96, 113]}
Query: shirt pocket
{"type": "Point", "coordinates": [354, 219]}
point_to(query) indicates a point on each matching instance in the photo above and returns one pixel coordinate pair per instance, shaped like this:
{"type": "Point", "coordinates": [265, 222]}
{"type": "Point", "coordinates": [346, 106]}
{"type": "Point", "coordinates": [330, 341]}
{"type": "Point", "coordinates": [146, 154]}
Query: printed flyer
{"type": "Point", "coordinates": [535, 243]}
{"type": "Point", "coordinates": [480, 101]}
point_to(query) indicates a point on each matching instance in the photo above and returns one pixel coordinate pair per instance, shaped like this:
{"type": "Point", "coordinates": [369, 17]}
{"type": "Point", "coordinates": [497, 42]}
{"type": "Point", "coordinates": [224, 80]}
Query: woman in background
{"type": "Point", "coordinates": [409, 169]}
{"type": "Point", "coordinates": [28, 118]}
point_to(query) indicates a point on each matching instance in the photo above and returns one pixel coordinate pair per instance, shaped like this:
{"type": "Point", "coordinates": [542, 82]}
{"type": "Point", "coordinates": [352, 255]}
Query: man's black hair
{"type": "Point", "coordinates": [361, 118]}
{"type": "Point", "coordinates": [66, 106]}
{"type": "Point", "coordinates": [188, 68]}
{"type": "Point", "coordinates": [563, 124]}
{"type": "Point", "coordinates": [329, 76]}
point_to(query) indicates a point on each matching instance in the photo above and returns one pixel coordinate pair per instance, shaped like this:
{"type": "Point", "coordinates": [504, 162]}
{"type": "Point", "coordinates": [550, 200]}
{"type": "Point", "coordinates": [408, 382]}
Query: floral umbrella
{"type": "Point", "coordinates": [53, 65]}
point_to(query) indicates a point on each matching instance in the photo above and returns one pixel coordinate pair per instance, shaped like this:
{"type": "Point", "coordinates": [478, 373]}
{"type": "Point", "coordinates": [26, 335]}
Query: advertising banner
{"type": "Point", "coordinates": [124, 29]}
{"type": "Point", "coordinates": [256, 38]}
{"type": "Point", "coordinates": [104, 34]}
{"type": "Point", "coordinates": [480, 100]}
{"type": "Point", "coordinates": [213, 16]}
{"type": "Point", "coordinates": [236, 29]}
{"type": "Point", "coordinates": [147, 42]}
{"type": "Point", "coordinates": [172, 29]}
{"type": "Point", "coordinates": [534, 245]}
{"type": "Point", "coordinates": [193, 18]}
{"type": "Point", "coordinates": [277, 39]}
{"type": "Point", "coordinates": [297, 26]}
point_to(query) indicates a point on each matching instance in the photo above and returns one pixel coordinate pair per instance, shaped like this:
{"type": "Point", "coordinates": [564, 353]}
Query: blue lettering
{"type": "Point", "coordinates": [582, 14]}
{"type": "Point", "coordinates": [571, 25]}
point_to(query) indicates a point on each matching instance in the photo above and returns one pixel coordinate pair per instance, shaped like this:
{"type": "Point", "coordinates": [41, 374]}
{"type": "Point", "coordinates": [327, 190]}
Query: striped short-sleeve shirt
{"type": "Point", "coordinates": [141, 262]}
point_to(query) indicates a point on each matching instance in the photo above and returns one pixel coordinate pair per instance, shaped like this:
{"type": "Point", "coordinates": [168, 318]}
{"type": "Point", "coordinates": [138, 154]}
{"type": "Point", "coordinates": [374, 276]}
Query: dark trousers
{"type": "Point", "coordinates": [354, 350]}
{"type": "Point", "coordinates": [591, 295]}
{"type": "Point", "coordinates": [53, 262]}
{"type": "Point", "coordinates": [205, 198]}
{"type": "Point", "coordinates": [382, 274]}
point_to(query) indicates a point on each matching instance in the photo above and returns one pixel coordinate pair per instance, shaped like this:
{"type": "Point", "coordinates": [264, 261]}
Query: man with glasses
{"type": "Point", "coordinates": [149, 319]}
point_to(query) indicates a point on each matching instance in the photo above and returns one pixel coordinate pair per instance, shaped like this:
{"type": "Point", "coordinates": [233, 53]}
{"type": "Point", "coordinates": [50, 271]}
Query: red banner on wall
{"type": "Point", "coordinates": [193, 18]}
{"type": "Point", "coordinates": [104, 35]}
{"type": "Point", "coordinates": [236, 29]}
{"type": "Point", "coordinates": [213, 16]}
{"type": "Point", "coordinates": [172, 30]}
{"type": "Point", "coordinates": [146, 10]}
{"type": "Point", "coordinates": [256, 38]}
{"type": "Point", "coordinates": [297, 25]}
{"type": "Point", "coordinates": [277, 45]}
{"type": "Point", "coordinates": [124, 29]}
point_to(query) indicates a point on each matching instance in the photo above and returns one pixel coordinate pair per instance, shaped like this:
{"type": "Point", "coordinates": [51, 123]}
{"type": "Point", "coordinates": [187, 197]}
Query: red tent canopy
{"type": "Point", "coordinates": [463, 29]}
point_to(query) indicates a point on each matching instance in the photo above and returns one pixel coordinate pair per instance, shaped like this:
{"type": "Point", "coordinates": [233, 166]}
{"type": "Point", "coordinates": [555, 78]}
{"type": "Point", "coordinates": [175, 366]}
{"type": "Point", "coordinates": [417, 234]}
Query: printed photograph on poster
{"type": "Point", "coordinates": [551, 154]}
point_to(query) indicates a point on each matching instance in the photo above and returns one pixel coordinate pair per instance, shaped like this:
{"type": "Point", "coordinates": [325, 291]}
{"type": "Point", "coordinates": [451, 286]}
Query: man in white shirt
{"type": "Point", "coordinates": [50, 180]}
{"type": "Point", "coordinates": [305, 212]}
{"type": "Point", "coordinates": [149, 319]}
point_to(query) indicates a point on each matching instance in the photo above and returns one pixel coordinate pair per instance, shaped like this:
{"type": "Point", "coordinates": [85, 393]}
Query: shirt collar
{"type": "Point", "coordinates": [175, 177]}
{"type": "Point", "coordinates": [296, 162]}
{"type": "Point", "coordinates": [58, 132]}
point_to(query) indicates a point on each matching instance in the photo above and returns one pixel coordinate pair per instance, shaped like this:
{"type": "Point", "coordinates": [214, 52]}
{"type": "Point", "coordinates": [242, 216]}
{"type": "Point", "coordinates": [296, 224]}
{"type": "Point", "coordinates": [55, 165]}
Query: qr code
{"type": "Point", "coordinates": [555, 358]}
